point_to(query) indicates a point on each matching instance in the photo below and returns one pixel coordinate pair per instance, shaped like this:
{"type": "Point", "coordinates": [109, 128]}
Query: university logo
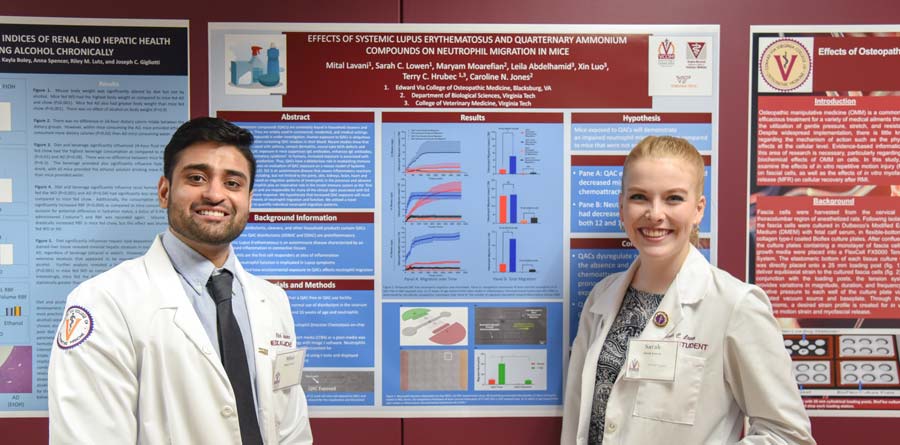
{"type": "Point", "coordinates": [696, 50]}
{"type": "Point", "coordinates": [665, 53]}
{"type": "Point", "coordinates": [785, 65]}
{"type": "Point", "coordinates": [634, 366]}
{"type": "Point", "coordinates": [75, 328]}
{"type": "Point", "coordinates": [682, 80]}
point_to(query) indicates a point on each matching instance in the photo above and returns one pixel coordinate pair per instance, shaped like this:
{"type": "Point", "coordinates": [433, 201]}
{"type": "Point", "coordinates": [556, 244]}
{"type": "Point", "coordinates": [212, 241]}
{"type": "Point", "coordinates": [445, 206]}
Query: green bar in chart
{"type": "Point", "coordinates": [501, 373]}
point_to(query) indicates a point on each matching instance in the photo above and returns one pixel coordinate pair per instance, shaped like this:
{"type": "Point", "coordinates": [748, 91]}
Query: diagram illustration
{"type": "Point", "coordinates": [859, 364]}
{"type": "Point", "coordinates": [256, 64]}
{"type": "Point", "coordinates": [434, 326]}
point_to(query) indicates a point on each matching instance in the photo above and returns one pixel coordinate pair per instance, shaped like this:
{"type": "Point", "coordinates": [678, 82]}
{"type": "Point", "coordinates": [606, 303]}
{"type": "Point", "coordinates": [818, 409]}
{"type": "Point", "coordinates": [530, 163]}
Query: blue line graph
{"type": "Point", "coordinates": [436, 147]}
{"type": "Point", "coordinates": [431, 196]}
{"type": "Point", "coordinates": [430, 238]}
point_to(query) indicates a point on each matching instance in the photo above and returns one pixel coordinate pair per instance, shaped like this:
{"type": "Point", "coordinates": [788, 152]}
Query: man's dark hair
{"type": "Point", "coordinates": [208, 129]}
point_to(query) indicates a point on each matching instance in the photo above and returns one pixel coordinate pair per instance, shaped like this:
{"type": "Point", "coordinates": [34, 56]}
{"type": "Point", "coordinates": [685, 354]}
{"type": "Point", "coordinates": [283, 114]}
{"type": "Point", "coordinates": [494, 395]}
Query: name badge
{"type": "Point", "coordinates": [651, 360]}
{"type": "Point", "coordinates": [288, 368]}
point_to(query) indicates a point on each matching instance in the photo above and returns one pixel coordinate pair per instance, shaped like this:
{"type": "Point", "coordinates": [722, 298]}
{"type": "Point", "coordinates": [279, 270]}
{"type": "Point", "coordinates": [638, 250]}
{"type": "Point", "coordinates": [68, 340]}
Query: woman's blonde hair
{"type": "Point", "coordinates": [656, 147]}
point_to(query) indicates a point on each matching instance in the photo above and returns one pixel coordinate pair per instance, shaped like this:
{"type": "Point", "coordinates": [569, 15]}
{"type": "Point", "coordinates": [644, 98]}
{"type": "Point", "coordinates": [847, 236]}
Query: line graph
{"type": "Point", "coordinates": [444, 193]}
{"type": "Point", "coordinates": [434, 157]}
{"type": "Point", "coordinates": [421, 256]}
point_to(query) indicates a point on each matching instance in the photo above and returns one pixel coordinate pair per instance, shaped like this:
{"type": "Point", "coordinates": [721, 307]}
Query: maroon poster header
{"type": "Point", "coordinates": [862, 64]}
{"type": "Point", "coordinates": [325, 284]}
{"type": "Point", "coordinates": [615, 161]}
{"type": "Point", "coordinates": [311, 217]}
{"type": "Point", "coordinates": [521, 118]}
{"type": "Point", "coordinates": [641, 118]}
{"type": "Point", "coordinates": [477, 70]}
{"type": "Point", "coordinates": [295, 116]}
{"type": "Point", "coordinates": [614, 243]}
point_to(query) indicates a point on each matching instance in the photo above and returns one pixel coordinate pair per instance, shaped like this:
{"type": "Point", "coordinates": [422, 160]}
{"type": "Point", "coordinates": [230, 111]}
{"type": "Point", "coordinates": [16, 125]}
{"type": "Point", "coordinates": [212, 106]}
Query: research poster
{"type": "Point", "coordinates": [438, 200]}
{"type": "Point", "coordinates": [824, 228]}
{"type": "Point", "coordinates": [86, 107]}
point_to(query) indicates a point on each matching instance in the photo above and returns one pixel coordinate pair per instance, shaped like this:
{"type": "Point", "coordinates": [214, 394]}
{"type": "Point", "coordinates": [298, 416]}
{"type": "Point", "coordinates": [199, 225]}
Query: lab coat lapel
{"type": "Point", "coordinates": [688, 288]}
{"type": "Point", "coordinates": [165, 280]}
{"type": "Point", "coordinates": [669, 310]}
{"type": "Point", "coordinates": [260, 325]}
{"type": "Point", "coordinates": [608, 308]}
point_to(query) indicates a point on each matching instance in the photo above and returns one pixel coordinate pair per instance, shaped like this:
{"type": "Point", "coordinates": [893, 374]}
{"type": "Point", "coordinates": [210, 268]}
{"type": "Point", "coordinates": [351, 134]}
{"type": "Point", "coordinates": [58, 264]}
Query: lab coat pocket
{"type": "Point", "coordinates": [674, 401]}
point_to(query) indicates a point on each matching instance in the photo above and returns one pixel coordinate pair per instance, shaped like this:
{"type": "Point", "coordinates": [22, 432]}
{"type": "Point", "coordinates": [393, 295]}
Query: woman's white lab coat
{"type": "Point", "coordinates": [148, 374]}
{"type": "Point", "coordinates": [731, 362]}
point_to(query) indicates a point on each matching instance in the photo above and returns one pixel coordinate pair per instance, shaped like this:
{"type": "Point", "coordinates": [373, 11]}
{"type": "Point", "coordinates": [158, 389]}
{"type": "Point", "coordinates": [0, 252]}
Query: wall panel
{"type": "Point", "coordinates": [734, 18]}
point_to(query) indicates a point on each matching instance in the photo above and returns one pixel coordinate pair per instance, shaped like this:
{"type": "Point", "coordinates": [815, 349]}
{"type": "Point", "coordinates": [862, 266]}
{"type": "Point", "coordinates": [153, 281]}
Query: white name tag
{"type": "Point", "coordinates": [288, 368]}
{"type": "Point", "coordinates": [651, 360]}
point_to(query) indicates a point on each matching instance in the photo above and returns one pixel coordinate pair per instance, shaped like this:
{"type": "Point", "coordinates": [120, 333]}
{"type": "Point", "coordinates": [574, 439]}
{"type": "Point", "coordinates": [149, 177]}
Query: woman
{"type": "Point", "coordinates": [724, 356]}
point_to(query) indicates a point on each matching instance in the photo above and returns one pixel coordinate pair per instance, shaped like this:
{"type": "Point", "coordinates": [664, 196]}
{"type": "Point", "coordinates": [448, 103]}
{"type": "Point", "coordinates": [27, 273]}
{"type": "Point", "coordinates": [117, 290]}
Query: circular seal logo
{"type": "Point", "coordinates": [75, 328]}
{"type": "Point", "coordinates": [785, 64]}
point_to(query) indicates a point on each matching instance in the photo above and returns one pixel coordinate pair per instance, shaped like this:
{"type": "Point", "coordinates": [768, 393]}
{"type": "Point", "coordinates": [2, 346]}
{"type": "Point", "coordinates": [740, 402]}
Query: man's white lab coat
{"type": "Point", "coordinates": [147, 372]}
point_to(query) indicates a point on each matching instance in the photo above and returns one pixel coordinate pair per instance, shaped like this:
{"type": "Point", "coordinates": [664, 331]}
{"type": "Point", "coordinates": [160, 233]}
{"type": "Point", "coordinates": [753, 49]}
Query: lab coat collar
{"type": "Point", "coordinates": [693, 279]}
{"type": "Point", "coordinates": [170, 292]}
{"type": "Point", "coordinates": [689, 287]}
{"type": "Point", "coordinates": [616, 291]}
{"type": "Point", "coordinates": [194, 267]}
{"type": "Point", "coordinates": [171, 295]}
{"type": "Point", "coordinates": [260, 325]}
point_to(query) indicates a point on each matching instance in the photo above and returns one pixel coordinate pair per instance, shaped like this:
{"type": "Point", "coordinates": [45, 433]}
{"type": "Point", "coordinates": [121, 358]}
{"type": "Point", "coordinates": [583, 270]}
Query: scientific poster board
{"type": "Point", "coordinates": [824, 238]}
{"type": "Point", "coordinates": [86, 107]}
{"type": "Point", "coordinates": [438, 200]}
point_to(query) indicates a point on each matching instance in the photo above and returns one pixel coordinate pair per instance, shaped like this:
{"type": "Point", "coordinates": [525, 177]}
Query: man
{"type": "Point", "coordinates": [182, 345]}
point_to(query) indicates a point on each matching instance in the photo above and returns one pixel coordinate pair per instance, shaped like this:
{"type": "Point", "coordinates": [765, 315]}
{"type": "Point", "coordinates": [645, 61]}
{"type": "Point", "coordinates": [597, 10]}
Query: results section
{"type": "Point", "coordinates": [462, 218]}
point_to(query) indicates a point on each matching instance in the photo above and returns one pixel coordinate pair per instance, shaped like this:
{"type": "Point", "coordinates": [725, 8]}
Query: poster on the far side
{"type": "Point", "coordinates": [86, 108]}
{"type": "Point", "coordinates": [824, 208]}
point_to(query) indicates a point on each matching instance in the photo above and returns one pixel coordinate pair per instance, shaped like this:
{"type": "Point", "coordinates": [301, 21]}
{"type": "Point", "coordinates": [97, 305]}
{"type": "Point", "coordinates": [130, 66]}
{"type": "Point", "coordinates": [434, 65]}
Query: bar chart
{"type": "Point", "coordinates": [511, 369]}
{"type": "Point", "coordinates": [505, 252]}
{"type": "Point", "coordinates": [513, 151]}
{"type": "Point", "coordinates": [507, 206]}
